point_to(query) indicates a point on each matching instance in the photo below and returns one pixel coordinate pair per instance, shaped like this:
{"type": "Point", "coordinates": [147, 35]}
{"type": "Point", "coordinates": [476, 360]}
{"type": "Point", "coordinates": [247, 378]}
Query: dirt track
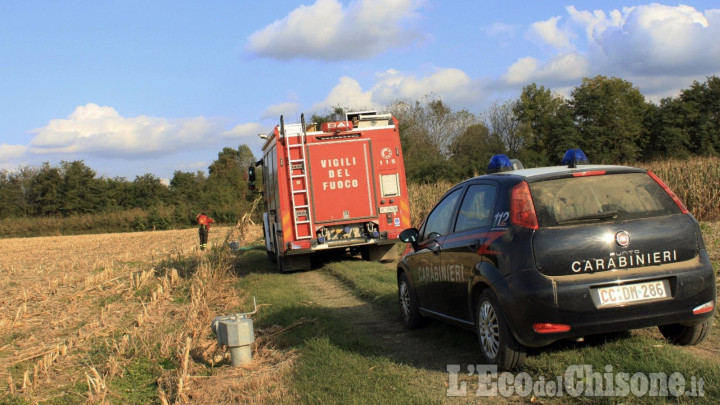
{"type": "Point", "coordinates": [399, 343]}
{"type": "Point", "coordinates": [329, 292]}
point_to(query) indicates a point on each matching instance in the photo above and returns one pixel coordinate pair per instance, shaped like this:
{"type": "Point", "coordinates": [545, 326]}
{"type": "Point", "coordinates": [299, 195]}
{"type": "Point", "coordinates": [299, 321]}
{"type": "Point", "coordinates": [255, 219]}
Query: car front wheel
{"type": "Point", "coordinates": [497, 344]}
{"type": "Point", "coordinates": [686, 335]}
{"type": "Point", "coordinates": [408, 303]}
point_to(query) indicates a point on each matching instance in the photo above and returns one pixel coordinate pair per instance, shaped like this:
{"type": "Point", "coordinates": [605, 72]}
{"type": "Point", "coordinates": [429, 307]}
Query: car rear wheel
{"type": "Point", "coordinates": [408, 303]}
{"type": "Point", "coordinates": [686, 335]}
{"type": "Point", "coordinates": [497, 345]}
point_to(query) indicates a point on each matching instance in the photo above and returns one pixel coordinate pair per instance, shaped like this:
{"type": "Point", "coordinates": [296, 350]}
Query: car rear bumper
{"type": "Point", "coordinates": [533, 298]}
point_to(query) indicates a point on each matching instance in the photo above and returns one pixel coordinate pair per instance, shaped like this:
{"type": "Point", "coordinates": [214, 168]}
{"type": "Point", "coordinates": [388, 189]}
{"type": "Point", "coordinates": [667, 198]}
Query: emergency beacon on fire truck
{"type": "Point", "coordinates": [341, 186]}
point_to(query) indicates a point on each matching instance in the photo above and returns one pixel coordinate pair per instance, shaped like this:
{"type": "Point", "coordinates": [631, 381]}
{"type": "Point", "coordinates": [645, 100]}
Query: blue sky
{"type": "Point", "coordinates": [134, 87]}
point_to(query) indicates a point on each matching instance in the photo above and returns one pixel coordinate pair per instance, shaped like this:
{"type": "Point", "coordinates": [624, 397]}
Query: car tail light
{"type": "Point", "coordinates": [522, 209]}
{"type": "Point", "coordinates": [550, 328]}
{"type": "Point", "coordinates": [670, 192]}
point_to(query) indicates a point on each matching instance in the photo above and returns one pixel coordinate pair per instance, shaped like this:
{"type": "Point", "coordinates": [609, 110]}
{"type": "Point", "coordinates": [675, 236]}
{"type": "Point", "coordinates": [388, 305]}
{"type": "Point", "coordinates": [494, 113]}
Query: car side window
{"type": "Point", "coordinates": [477, 206]}
{"type": "Point", "coordinates": [439, 221]}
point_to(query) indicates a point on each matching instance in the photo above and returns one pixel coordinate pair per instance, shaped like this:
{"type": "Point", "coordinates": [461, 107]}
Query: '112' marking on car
{"type": "Point", "coordinates": [501, 219]}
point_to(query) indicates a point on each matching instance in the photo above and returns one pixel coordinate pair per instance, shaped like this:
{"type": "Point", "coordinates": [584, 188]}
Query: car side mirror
{"type": "Point", "coordinates": [411, 236]}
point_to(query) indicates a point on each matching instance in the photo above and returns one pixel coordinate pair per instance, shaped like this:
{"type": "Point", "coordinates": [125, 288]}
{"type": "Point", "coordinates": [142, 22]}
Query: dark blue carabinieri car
{"type": "Point", "coordinates": [527, 257]}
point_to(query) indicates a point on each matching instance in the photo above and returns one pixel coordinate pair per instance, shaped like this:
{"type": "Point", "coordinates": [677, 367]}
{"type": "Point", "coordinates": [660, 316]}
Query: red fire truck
{"type": "Point", "coordinates": [337, 187]}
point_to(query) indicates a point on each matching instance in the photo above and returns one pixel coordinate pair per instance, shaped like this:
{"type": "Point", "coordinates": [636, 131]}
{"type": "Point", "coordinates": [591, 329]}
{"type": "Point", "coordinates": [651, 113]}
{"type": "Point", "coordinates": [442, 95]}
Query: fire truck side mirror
{"type": "Point", "coordinates": [251, 174]}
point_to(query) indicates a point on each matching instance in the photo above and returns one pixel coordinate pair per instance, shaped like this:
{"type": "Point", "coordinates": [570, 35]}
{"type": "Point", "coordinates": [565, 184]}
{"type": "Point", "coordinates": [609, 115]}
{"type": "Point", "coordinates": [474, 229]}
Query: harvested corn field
{"type": "Point", "coordinates": [98, 318]}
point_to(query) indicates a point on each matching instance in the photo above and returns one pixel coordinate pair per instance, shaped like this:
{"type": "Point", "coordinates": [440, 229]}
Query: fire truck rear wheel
{"type": "Point", "coordinates": [271, 256]}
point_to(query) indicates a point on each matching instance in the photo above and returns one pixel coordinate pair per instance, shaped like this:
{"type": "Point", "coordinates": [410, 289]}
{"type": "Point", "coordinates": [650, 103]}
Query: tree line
{"type": "Point", "coordinates": [606, 117]}
{"type": "Point", "coordinates": [73, 189]}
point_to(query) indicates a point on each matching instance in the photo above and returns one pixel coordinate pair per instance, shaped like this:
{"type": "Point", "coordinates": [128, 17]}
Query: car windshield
{"type": "Point", "coordinates": [591, 199]}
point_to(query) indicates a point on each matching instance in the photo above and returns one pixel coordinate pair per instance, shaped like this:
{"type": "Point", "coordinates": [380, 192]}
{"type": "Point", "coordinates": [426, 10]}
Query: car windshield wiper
{"type": "Point", "coordinates": [592, 217]}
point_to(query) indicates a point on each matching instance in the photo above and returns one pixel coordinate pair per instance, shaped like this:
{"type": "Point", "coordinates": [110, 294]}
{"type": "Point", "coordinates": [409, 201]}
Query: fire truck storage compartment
{"type": "Point", "coordinates": [341, 181]}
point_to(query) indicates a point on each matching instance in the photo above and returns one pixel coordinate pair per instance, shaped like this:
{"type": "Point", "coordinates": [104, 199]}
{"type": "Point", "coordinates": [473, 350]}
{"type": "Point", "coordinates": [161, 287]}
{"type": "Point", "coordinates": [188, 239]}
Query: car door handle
{"type": "Point", "coordinates": [436, 248]}
{"type": "Point", "coordinates": [475, 246]}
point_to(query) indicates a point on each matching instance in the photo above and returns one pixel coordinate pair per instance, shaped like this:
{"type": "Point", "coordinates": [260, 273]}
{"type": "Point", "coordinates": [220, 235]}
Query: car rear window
{"type": "Point", "coordinates": [600, 198]}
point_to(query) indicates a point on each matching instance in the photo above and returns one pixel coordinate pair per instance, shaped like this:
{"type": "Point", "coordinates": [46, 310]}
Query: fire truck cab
{"type": "Point", "coordinates": [338, 186]}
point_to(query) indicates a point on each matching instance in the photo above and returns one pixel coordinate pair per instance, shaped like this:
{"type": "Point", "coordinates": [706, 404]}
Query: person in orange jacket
{"type": "Point", "coordinates": [204, 221]}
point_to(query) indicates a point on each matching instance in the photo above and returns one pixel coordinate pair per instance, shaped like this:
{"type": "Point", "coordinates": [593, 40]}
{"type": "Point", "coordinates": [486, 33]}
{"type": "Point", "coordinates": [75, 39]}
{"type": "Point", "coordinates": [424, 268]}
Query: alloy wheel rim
{"type": "Point", "coordinates": [405, 300]}
{"type": "Point", "coordinates": [488, 330]}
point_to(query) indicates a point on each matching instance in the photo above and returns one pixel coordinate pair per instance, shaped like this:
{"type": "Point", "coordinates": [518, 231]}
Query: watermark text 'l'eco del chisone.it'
{"type": "Point", "coordinates": [578, 380]}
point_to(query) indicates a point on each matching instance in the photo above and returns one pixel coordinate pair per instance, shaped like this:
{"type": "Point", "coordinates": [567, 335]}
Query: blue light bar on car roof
{"type": "Point", "coordinates": [499, 163]}
{"type": "Point", "coordinates": [574, 157]}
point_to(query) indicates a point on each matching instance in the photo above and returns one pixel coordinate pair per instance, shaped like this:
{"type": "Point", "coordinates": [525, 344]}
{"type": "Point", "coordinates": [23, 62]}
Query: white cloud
{"type": "Point", "coordinates": [101, 131]}
{"type": "Point", "coordinates": [11, 152]}
{"type": "Point", "coordinates": [564, 67]}
{"type": "Point", "coordinates": [547, 32]}
{"type": "Point", "coordinates": [661, 49]}
{"type": "Point", "coordinates": [596, 22]}
{"type": "Point", "coordinates": [653, 40]}
{"type": "Point", "coordinates": [522, 71]}
{"type": "Point", "coordinates": [286, 109]}
{"type": "Point", "coordinates": [326, 30]}
{"type": "Point", "coordinates": [560, 70]}
{"type": "Point", "coordinates": [347, 93]}
{"type": "Point", "coordinates": [241, 131]}
{"type": "Point", "coordinates": [453, 85]}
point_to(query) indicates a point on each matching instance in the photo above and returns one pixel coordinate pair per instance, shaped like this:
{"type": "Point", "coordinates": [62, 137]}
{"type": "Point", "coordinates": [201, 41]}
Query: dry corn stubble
{"type": "Point", "coordinates": [77, 312]}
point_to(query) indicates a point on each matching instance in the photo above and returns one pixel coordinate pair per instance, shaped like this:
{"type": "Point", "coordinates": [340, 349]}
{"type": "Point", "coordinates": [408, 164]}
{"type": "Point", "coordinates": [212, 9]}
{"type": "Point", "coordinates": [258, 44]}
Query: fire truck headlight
{"type": "Point", "coordinates": [375, 234]}
{"type": "Point", "coordinates": [321, 240]}
{"type": "Point", "coordinates": [347, 230]}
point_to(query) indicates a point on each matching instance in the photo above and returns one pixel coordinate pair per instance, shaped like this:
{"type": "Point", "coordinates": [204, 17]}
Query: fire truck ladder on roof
{"type": "Point", "coordinates": [297, 170]}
